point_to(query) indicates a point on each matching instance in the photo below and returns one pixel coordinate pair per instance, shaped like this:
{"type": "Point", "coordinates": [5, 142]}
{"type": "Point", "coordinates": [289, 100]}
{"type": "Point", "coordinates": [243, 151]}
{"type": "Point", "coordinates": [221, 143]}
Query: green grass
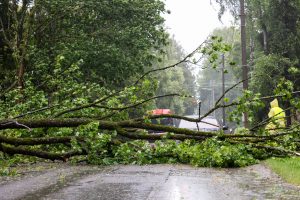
{"type": "Point", "coordinates": [287, 168]}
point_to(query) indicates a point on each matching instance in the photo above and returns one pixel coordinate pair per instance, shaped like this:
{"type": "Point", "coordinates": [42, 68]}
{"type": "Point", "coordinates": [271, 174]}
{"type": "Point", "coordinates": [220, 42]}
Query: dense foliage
{"type": "Point", "coordinates": [112, 40]}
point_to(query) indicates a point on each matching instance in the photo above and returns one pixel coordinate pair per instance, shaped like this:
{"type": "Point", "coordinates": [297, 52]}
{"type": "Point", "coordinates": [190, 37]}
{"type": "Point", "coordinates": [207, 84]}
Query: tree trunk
{"type": "Point", "coordinates": [20, 74]}
{"type": "Point", "coordinates": [265, 39]}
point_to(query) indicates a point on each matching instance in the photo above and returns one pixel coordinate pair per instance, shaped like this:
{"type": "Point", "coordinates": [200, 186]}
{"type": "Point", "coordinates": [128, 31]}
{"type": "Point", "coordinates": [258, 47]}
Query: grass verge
{"type": "Point", "coordinates": [287, 168]}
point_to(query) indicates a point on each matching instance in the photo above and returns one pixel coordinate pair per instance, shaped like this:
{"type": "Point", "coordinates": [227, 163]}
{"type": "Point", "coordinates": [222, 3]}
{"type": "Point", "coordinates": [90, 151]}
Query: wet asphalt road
{"type": "Point", "coordinates": [152, 182]}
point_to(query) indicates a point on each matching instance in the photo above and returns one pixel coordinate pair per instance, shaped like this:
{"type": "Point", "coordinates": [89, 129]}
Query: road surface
{"type": "Point", "coordinates": [151, 182]}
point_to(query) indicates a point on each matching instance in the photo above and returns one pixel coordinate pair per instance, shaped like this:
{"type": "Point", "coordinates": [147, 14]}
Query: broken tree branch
{"type": "Point", "coordinates": [38, 153]}
{"type": "Point", "coordinates": [37, 141]}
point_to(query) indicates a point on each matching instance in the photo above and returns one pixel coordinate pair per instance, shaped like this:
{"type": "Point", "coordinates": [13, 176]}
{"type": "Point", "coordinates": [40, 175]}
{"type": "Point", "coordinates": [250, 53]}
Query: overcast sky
{"type": "Point", "coordinates": [191, 21]}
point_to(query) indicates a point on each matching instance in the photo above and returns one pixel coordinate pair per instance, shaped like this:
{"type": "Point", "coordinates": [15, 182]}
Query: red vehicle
{"type": "Point", "coordinates": [163, 121]}
{"type": "Point", "coordinates": [161, 112]}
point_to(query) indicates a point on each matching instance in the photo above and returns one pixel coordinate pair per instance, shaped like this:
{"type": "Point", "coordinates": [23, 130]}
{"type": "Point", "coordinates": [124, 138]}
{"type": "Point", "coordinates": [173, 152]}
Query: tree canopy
{"type": "Point", "coordinates": [112, 40]}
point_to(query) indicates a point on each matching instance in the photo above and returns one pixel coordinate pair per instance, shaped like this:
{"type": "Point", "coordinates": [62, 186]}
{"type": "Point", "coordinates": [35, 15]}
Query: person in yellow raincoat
{"type": "Point", "coordinates": [278, 117]}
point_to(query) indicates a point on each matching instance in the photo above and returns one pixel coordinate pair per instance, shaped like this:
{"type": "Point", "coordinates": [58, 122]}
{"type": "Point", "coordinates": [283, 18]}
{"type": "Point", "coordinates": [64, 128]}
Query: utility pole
{"type": "Point", "coordinates": [212, 85]}
{"type": "Point", "coordinates": [244, 60]}
{"type": "Point", "coordinates": [223, 90]}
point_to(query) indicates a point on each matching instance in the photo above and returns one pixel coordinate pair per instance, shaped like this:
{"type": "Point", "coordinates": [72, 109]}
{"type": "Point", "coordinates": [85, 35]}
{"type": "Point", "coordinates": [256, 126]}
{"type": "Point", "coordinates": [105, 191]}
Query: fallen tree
{"type": "Point", "coordinates": [128, 130]}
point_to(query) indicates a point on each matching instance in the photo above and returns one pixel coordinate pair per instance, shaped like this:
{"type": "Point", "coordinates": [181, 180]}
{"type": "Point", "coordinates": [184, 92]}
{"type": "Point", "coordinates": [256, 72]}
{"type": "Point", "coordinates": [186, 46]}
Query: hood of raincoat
{"type": "Point", "coordinates": [274, 103]}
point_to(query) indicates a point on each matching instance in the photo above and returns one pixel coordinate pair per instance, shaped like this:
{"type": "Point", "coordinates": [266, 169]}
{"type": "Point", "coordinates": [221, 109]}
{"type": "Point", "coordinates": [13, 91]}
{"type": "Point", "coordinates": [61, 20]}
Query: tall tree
{"type": "Point", "coordinates": [15, 33]}
{"type": "Point", "coordinates": [6, 62]}
{"type": "Point", "coordinates": [113, 39]}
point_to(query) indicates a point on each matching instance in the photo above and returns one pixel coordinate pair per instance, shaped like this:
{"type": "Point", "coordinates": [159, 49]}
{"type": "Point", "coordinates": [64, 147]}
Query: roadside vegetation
{"type": "Point", "coordinates": [287, 168]}
{"type": "Point", "coordinates": [78, 79]}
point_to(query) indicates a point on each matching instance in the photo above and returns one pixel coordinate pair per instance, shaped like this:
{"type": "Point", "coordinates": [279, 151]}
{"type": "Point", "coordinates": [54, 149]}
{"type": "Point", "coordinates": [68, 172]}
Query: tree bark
{"type": "Point", "coordinates": [36, 141]}
{"type": "Point", "coordinates": [37, 153]}
{"type": "Point", "coordinates": [107, 125]}
{"type": "Point", "coordinates": [20, 74]}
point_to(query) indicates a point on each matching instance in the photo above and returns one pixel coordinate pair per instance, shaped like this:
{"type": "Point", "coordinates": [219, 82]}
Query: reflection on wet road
{"type": "Point", "coordinates": [152, 182]}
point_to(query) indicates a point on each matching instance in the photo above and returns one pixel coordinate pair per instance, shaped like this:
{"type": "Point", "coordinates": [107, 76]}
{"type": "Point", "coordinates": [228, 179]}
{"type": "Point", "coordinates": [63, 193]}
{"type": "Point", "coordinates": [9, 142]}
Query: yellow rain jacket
{"type": "Point", "coordinates": [277, 115]}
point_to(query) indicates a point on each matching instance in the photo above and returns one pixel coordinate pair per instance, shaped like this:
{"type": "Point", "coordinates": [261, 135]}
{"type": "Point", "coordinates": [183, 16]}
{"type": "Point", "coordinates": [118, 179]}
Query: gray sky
{"type": "Point", "coordinates": [191, 21]}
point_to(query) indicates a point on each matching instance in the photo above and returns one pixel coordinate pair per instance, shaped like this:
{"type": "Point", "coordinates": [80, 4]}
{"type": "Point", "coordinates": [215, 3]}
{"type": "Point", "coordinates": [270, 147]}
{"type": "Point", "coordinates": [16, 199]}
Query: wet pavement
{"type": "Point", "coordinates": [151, 182]}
